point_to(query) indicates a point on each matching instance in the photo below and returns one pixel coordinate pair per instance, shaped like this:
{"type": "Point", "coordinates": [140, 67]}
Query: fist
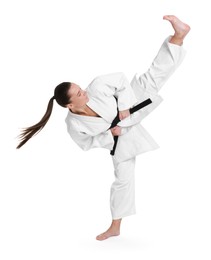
{"type": "Point", "coordinates": [123, 114]}
{"type": "Point", "coordinates": [116, 131]}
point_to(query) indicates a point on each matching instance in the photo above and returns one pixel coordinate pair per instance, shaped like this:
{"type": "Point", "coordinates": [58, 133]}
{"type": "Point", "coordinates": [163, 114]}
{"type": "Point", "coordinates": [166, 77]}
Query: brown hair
{"type": "Point", "coordinates": [62, 98]}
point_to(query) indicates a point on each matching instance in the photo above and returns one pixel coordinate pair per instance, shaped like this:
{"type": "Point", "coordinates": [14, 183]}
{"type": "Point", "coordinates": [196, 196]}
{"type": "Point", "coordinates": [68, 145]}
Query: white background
{"type": "Point", "coordinates": [54, 198]}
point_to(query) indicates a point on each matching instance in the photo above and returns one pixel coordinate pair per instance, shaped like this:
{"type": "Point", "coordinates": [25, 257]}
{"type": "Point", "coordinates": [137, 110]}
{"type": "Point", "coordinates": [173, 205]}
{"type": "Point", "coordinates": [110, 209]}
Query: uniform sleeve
{"type": "Point", "coordinates": [116, 84]}
{"type": "Point", "coordinates": [87, 142]}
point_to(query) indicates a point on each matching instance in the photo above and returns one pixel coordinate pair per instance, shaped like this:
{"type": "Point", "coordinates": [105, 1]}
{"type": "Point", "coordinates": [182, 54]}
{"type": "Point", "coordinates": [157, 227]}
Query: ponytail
{"type": "Point", "coordinates": [28, 132]}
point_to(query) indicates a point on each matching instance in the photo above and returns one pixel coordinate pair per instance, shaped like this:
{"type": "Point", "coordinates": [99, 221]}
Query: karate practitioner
{"type": "Point", "coordinates": [91, 112]}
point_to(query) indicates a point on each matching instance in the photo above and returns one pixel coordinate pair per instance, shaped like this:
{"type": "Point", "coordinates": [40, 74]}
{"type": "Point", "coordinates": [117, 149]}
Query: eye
{"type": "Point", "coordinates": [80, 92]}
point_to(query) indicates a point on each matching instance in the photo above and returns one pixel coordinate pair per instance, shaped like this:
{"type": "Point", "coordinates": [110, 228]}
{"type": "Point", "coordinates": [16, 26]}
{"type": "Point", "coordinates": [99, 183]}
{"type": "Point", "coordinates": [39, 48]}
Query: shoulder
{"type": "Point", "coordinates": [105, 79]}
{"type": "Point", "coordinates": [71, 121]}
{"type": "Point", "coordinates": [108, 76]}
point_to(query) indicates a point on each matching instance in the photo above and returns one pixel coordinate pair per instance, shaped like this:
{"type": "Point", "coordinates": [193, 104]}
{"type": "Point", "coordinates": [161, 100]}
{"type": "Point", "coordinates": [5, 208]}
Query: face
{"type": "Point", "coordinates": [78, 97]}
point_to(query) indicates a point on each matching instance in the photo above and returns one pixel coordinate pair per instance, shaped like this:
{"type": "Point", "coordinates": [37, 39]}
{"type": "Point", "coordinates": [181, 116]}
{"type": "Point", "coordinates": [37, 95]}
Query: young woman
{"type": "Point", "coordinates": [91, 112]}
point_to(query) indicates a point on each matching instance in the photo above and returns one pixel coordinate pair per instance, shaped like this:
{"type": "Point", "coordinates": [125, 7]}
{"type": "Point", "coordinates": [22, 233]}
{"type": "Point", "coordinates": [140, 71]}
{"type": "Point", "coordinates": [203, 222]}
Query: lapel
{"type": "Point", "coordinates": [89, 124]}
{"type": "Point", "coordinates": [104, 106]}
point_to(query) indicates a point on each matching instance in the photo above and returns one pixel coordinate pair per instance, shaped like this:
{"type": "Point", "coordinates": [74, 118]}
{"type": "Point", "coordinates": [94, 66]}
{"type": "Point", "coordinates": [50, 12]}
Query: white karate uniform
{"type": "Point", "coordinates": [92, 132]}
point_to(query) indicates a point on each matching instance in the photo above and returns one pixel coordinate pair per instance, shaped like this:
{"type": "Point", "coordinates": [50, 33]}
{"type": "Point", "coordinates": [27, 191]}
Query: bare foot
{"type": "Point", "coordinates": [181, 29]}
{"type": "Point", "coordinates": [114, 230]}
{"type": "Point", "coordinates": [109, 233]}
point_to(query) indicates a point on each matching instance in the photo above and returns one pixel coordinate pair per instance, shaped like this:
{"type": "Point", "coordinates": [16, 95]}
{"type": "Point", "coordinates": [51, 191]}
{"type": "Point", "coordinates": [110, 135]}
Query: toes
{"type": "Point", "coordinates": [170, 18]}
{"type": "Point", "coordinates": [167, 17]}
{"type": "Point", "coordinates": [101, 237]}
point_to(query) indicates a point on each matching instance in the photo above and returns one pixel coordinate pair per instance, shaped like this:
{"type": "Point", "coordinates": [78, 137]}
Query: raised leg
{"type": "Point", "coordinates": [168, 59]}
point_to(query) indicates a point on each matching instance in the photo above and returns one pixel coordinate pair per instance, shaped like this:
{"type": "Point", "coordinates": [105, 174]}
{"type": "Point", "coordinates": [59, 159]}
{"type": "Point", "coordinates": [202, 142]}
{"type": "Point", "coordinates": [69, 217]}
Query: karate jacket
{"type": "Point", "coordinates": [93, 132]}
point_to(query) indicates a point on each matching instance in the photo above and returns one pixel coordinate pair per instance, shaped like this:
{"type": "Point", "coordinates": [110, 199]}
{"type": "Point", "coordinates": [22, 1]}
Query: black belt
{"type": "Point", "coordinates": [117, 120]}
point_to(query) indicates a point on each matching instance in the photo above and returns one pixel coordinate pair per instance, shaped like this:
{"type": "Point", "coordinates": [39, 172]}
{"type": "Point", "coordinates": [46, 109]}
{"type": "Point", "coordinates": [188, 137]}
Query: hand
{"type": "Point", "coordinates": [123, 114]}
{"type": "Point", "coordinates": [116, 131]}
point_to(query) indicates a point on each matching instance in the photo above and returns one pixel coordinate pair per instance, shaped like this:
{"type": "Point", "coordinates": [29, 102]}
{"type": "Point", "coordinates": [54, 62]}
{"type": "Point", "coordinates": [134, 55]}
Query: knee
{"type": "Point", "coordinates": [123, 182]}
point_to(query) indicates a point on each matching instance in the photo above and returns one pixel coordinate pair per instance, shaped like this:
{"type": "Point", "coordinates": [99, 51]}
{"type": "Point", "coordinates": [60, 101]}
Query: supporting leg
{"type": "Point", "coordinates": [122, 196]}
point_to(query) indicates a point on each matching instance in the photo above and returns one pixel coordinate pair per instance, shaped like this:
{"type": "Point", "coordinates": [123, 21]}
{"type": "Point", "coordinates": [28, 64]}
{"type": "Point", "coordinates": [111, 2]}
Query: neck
{"type": "Point", "coordinates": [85, 111]}
{"type": "Point", "coordinates": [81, 111]}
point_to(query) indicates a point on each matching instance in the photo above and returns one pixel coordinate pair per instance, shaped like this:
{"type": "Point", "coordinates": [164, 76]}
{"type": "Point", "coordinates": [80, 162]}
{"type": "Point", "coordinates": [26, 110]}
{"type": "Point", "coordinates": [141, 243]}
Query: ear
{"type": "Point", "coordinates": [69, 106]}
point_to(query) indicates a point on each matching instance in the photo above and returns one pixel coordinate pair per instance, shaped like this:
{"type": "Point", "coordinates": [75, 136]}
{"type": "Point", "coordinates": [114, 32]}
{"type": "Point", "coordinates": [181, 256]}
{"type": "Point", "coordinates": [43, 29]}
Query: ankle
{"type": "Point", "coordinates": [116, 223]}
{"type": "Point", "coordinates": [175, 39]}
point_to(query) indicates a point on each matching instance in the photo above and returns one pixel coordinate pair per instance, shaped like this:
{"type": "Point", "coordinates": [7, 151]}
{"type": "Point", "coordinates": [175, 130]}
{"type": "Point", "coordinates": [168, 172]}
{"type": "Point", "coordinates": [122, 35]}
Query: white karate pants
{"type": "Point", "coordinates": [122, 194]}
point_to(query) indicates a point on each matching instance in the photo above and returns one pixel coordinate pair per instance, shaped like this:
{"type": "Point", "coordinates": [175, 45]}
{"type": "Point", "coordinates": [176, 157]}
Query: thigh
{"type": "Point", "coordinates": [124, 170]}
